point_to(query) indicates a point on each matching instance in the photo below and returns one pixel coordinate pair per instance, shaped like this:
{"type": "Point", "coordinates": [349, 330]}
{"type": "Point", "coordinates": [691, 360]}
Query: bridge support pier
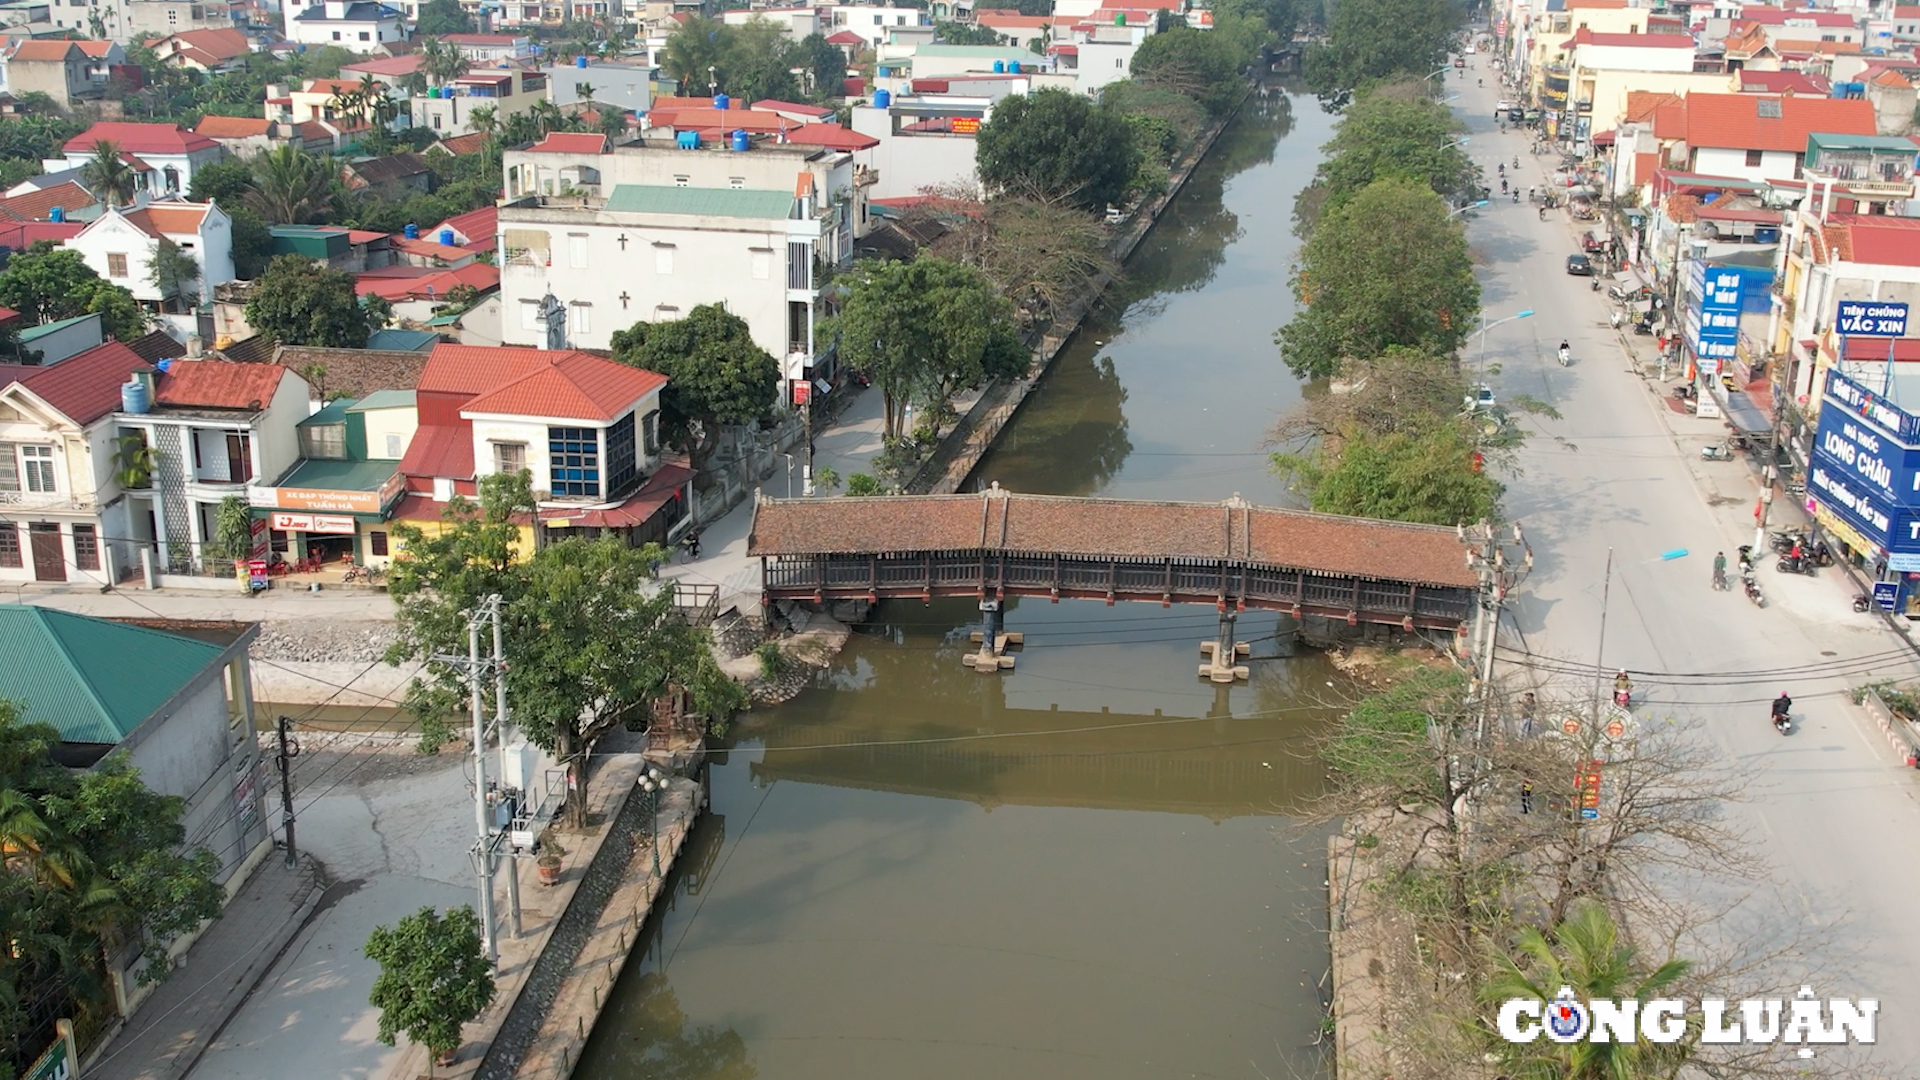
{"type": "Point", "coordinates": [993, 642]}
{"type": "Point", "coordinates": [1223, 651]}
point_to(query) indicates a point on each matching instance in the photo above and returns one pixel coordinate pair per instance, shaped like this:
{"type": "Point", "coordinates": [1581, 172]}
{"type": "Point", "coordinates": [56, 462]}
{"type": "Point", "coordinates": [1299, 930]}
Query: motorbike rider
{"type": "Point", "coordinates": [1797, 554]}
{"type": "Point", "coordinates": [1621, 683]}
{"type": "Point", "coordinates": [1782, 707]}
{"type": "Point", "coordinates": [1566, 351]}
{"type": "Point", "coordinates": [1719, 569]}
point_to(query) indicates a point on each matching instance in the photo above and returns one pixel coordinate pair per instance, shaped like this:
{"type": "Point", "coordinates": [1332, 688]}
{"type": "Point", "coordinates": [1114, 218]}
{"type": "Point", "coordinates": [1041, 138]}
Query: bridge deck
{"type": "Point", "coordinates": [998, 543]}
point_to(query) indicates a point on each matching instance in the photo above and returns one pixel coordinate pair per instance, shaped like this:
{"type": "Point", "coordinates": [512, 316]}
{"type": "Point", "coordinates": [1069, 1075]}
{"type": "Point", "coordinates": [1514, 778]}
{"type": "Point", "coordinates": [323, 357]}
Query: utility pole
{"type": "Point", "coordinates": [288, 751]}
{"type": "Point", "coordinates": [1502, 561]}
{"type": "Point", "coordinates": [484, 853]}
{"type": "Point", "coordinates": [1600, 649]}
{"type": "Point", "coordinates": [500, 721]}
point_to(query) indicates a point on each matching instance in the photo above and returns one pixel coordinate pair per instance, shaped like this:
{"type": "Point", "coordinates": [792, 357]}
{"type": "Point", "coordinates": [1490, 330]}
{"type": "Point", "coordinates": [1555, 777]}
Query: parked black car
{"type": "Point", "coordinates": [1579, 265]}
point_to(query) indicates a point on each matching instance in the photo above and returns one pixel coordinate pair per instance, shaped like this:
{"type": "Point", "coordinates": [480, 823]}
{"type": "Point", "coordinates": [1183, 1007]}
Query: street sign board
{"type": "Point", "coordinates": [59, 1062]}
{"type": "Point", "coordinates": [1570, 726]}
{"type": "Point", "coordinates": [1886, 593]}
{"type": "Point", "coordinates": [1588, 784]}
{"type": "Point", "coordinates": [1870, 318]}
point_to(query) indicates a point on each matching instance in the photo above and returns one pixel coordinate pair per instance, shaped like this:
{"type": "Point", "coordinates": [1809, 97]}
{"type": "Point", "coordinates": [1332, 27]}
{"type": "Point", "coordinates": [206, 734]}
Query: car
{"type": "Point", "coordinates": [1480, 399]}
{"type": "Point", "coordinates": [1503, 106]}
{"type": "Point", "coordinates": [1579, 265]}
{"type": "Point", "coordinates": [1516, 114]}
{"type": "Point", "coordinates": [1469, 50]}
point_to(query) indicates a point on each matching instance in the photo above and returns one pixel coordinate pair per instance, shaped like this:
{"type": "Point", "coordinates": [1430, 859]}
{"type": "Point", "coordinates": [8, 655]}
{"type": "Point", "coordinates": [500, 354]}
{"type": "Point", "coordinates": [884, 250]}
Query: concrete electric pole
{"type": "Point", "coordinates": [485, 851]}
{"type": "Point", "coordinates": [1502, 559]}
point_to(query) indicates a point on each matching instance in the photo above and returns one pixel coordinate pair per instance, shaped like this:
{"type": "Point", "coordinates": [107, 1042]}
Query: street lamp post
{"type": "Point", "coordinates": [652, 784]}
{"type": "Point", "coordinates": [789, 458]}
{"type": "Point", "coordinates": [1486, 326]}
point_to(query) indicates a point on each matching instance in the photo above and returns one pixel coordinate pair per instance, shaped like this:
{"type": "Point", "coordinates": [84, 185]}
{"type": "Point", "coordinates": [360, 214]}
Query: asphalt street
{"type": "Point", "coordinates": [1833, 810]}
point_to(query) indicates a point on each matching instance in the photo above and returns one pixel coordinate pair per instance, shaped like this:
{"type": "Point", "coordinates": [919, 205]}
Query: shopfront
{"type": "Point", "coordinates": [330, 525]}
{"type": "Point", "coordinates": [1863, 484]}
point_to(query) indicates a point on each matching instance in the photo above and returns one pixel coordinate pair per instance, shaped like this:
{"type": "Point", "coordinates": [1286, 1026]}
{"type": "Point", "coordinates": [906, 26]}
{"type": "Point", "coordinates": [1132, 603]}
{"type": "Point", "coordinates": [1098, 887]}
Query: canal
{"type": "Point", "coordinates": [1085, 867]}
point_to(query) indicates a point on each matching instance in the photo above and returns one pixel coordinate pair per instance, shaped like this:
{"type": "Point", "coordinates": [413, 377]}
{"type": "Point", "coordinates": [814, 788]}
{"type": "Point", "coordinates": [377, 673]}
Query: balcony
{"type": "Point", "coordinates": [46, 500]}
{"type": "Point", "coordinates": [865, 176]}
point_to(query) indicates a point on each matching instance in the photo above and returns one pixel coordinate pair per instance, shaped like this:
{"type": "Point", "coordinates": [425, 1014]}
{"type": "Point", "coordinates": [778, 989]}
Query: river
{"type": "Point", "coordinates": [1084, 867]}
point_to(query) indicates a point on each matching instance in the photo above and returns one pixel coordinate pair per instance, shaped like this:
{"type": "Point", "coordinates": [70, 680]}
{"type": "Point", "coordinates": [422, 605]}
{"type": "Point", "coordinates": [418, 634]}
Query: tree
{"type": "Point", "coordinates": [296, 302]}
{"type": "Point", "coordinates": [1430, 476]}
{"type": "Point", "coordinates": [1055, 146]}
{"type": "Point", "coordinates": [47, 284]}
{"type": "Point", "coordinates": [438, 18]}
{"type": "Point", "coordinates": [824, 64]}
{"type": "Point", "coordinates": [108, 173]}
{"type": "Point", "coordinates": [1396, 132]}
{"type": "Point", "coordinates": [291, 187]}
{"type": "Point", "coordinates": [959, 33]}
{"type": "Point", "coordinates": [442, 62]}
{"type": "Point", "coordinates": [1387, 267]}
{"type": "Point", "coordinates": [1368, 40]}
{"type": "Point", "coordinates": [1043, 258]}
{"type": "Point", "coordinates": [232, 530]}
{"type": "Point", "coordinates": [1198, 64]}
{"type": "Point", "coordinates": [433, 977]}
{"type": "Point", "coordinates": [925, 330]}
{"type": "Point", "coordinates": [716, 375]}
{"type": "Point", "coordinates": [173, 272]}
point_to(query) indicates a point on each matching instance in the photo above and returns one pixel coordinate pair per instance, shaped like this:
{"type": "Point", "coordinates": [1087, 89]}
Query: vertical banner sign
{"type": "Point", "coordinates": [60, 1062]}
{"type": "Point", "coordinates": [1587, 784]}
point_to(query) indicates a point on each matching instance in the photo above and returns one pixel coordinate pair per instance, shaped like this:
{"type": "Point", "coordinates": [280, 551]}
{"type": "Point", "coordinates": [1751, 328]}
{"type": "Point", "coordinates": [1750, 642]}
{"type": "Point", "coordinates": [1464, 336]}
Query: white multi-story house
{"type": "Point", "coordinates": [358, 25]}
{"type": "Point", "coordinates": [491, 49]}
{"type": "Point", "coordinates": [64, 515]}
{"type": "Point", "coordinates": [121, 242]}
{"type": "Point", "coordinates": [874, 24]}
{"type": "Point", "coordinates": [214, 427]}
{"type": "Point", "coordinates": [648, 231]}
{"type": "Point", "coordinates": [795, 22]}
{"type": "Point", "coordinates": [163, 156]}
{"type": "Point", "coordinates": [448, 110]}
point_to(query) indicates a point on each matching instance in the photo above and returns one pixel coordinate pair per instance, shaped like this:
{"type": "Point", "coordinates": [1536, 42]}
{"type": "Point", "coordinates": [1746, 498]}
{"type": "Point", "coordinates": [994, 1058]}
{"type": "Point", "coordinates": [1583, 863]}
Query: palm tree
{"type": "Point", "coordinates": [546, 115]}
{"type": "Point", "coordinates": [109, 175]}
{"type": "Point", "coordinates": [371, 92]}
{"type": "Point", "coordinates": [442, 62]}
{"type": "Point", "coordinates": [290, 186]}
{"type": "Point", "coordinates": [484, 119]}
{"type": "Point", "coordinates": [348, 104]}
{"type": "Point", "coordinates": [1587, 956]}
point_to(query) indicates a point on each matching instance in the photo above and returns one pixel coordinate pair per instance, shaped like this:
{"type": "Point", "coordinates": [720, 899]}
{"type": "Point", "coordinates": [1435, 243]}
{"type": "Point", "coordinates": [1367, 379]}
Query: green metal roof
{"type": "Point", "coordinates": [326, 474]}
{"type": "Point", "coordinates": [397, 339]}
{"type": "Point", "coordinates": [1833, 141]}
{"type": "Point", "coordinates": [93, 679]}
{"type": "Point", "coordinates": [979, 52]}
{"type": "Point", "coordinates": [35, 333]}
{"type": "Point", "coordinates": [700, 202]}
{"type": "Point", "coordinates": [383, 399]}
{"type": "Point", "coordinates": [335, 412]}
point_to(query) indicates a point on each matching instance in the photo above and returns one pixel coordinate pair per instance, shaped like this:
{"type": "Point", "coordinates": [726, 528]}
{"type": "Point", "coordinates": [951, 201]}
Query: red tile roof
{"type": "Point", "coordinates": [461, 145]}
{"type": "Point", "coordinates": [815, 111]}
{"type": "Point", "coordinates": [574, 386]}
{"type": "Point", "coordinates": [832, 136]}
{"type": "Point", "coordinates": [1036, 22]}
{"type": "Point", "coordinates": [717, 120]}
{"type": "Point", "coordinates": [424, 282]}
{"type": "Point", "coordinates": [217, 384]}
{"type": "Point", "coordinates": [168, 219]}
{"type": "Point", "coordinates": [395, 66]}
{"type": "Point", "coordinates": [50, 51]}
{"type": "Point", "coordinates": [1585, 36]}
{"type": "Point", "coordinates": [853, 86]}
{"type": "Point", "coordinates": [140, 139]}
{"type": "Point", "coordinates": [95, 49]}
{"type": "Point", "coordinates": [474, 226]}
{"type": "Point", "coordinates": [1875, 238]}
{"type": "Point", "coordinates": [85, 387]}
{"type": "Point", "coordinates": [1775, 82]}
{"type": "Point", "coordinates": [25, 234]}
{"type": "Point", "coordinates": [635, 509]}
{"type": "Point", "coordinates": [444, 450]}
{"type": "Point", "coordinates": [1733, 121]}
{"type": "Point", "coordinates": [1777, 17]}
{"type": "Point", "coordinates": [570, 142]}
{"type": "Point", "coordinates": [38, 205]}
{"type": "Point", "coordinates": [221, 45]}
{"type": "Point", "coordinates": [671, 103]}
{"type": "Point", "coordinates": [232, 127]}
{"type": "Point", "coordinates": [846, 37]}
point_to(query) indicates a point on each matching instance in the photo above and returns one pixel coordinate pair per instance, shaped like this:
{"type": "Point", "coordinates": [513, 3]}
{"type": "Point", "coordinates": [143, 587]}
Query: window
{"type": "Point", "coordinates": [528, 247]}
{"type": "Point", "coordinates": [9, 467]}
{"type": "Point", "coordinates": [442, 489]}
{"type": "Point", "coordinates": [36, 462]}
{"type": "Point", "coordinates": [86, 548]}
{"type": "Point", "coordinates": [436, 120]}
{"type": "Point", "coordinates": [799, 266]}
{"type": "Point", "coordinates": [1753, 159]}
{"type": "Point", "coordinates": [364, 36]}
{"type": "Point", "coordinates": [9, 544]}
{"type": "Point", "coordinates": [529, 315]}
{"type": "Point", "coordinates": [336, 35]}
{"type": "Point", "coordinates": [621, 466]}
{"type": "Point", "coordinates": [116, 264]}
{"type": "Point", "coordinates": [577, 250]}
{"type": "Point", "coordinates": [1119, 62]}
{"type": "Point", "coordinates": [580, 317]}
{"type": "Point", "coordinates": [876, 20]}
{"type": "Point", "coordinates": [326, 442]}
{"type": "Point", "coordinates": [396, 445]}
{"type": "Point", "coordinates": [239, 457]}
{"type": "Point", "coordinates": [663, 258]}
{"type": "Point", "coordinates": [377, 541]}
{"type": "Point", "coordinates": [509, 457]}
{"type": "Point", "coordinates": [574, 460]}
{"type": "Point", "coordinates": [650, 430]}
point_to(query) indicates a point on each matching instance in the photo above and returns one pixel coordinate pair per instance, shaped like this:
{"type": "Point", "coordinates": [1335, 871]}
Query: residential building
{"type": "Point", "coordinates": [335, 501]}
{"type": "Point", "coordinates": [164, 156]}
{"type": "Point", "coordinates": [926, 140]}
{"type": "Point", "coordinates": [246, 136]}
{"type": "Point", "coordinates": [63, 512]}
{"type": "Point", "coordinates": [119, 245]}
{"type": "Point", "coordinates": [448, 110]}
{"type": "Point", "coordinates": [794, 22]}
{"type": "Point", "coordinates": [418, 292]}
{"type": "Point", "coordinates": [352, 250]}
{"type": "Point", "coordinates": [317, 101]}
{"type": "Point", "coordinates": [1018, 31]}
{"type": "Point", "coordinates": [156, 18]}
{"type": "Point", "coordinates": [210, 51]}
{"type": "Point", "coordinates": [871, 23]}
{"type": "Point", "coordinates": [52, 342]}
{"type": "Point", "coordinates": [1829, 258]}
{"type": "Point", "coordinates": [1753, 136]}
{"type": "Point", "coordinates": [103, 59]}
{"type": "Point", "coordinates": [178, 703]}
{"type": "Point", "coordinates": [57, 69]}
{"type": "Point", "coordinates": [489, 50]}
{"type": "Point", "coordinates": [215, 427]}
{"type": "Point", "coordinates": [586, 428]}
{"type": "Point", "coordinates": [68, 198]}
{"type": "Point", "coordinates": [359, 25]}
{"type": "Point", "coordinates": [387, 69]}
{"type": "Point", "coordinates": [593, 241]}
{"type": "Point", "coordinates": [624, 86]}
{"type": "Point", "coordinates": [395, 176]}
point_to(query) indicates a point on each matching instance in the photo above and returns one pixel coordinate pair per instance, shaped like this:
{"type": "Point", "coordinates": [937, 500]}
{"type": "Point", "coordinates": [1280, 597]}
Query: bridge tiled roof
{"type": "Point", "coordinates": [1128, 529]}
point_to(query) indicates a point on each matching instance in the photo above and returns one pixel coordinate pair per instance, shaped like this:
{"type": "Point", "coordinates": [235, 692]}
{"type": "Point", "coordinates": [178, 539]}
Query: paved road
{"type": "Point", "coordinates": [1835, 812]}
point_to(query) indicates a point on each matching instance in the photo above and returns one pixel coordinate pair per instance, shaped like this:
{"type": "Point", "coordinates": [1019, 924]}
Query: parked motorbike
{"type": "Point", "coordinates": [1716, 452]}
{"type": "Point", "coordinates": [1791, 565]}
{"type": "Point", "coordinates": [1784, 540]}
{"type": "Point", "coordinates": [1753, 589]}
{"type": "Point", "coordinates": [1862, 603]}
{"type": "Point", "coordinates": [1594, 284]}
{"type": "Point", "coordinates": [1644, 327]}
{"type": "Point", "coordinates": [1685, 392]}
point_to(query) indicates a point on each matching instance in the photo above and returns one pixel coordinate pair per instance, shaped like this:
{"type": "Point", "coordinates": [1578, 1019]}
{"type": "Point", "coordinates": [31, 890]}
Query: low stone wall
{"type": "Point", "coordinates": [1900, 733]}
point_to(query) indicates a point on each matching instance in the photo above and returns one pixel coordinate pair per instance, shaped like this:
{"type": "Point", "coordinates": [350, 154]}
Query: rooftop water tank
{"type": "Point", "coordinates": [134, 397]}
{"type": "Point", "coordinates": [687, 140]}
{"type": "Point", "coordinates": [58, 213]}
{"type": "Point", "coordinates": [433, 91]}
{"type": "Point", "coordinates": [412, 232]}
{"type": "Point", "coordinates": [579, 61]}
{"type": "Point", "coordinates": [446, 237]}
{"type": "Point", "coordinates": [1119, 18]}
{"type": "Point", "coordinates": [1013, 66]}
{"type": "Point", "coordinates": [164, 365]}
{"type": "Point", "coordinates": [1839, 90]}
{"type": "Point", "coordinates": [741, 142]}
{"type": "Point", "coordinates": [722, 102]}
{"type": "Point", "coordinates": [882, 99]}
{"type": "Point", "coordinates": [999, 66]}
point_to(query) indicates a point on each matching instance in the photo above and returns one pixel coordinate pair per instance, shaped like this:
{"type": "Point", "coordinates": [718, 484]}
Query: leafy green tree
{"type": "Point", "coordinates": [296, 302]}
{"type": "Point", "coordinates": [1369, 40]}
{"type": "Point", "coordinates": [1430, 476]}
{"type": "Point", "coordinates": [108, 174]}
{"type": "Point", "coordinates": [824, 64]}
{"type": "Point", "coordinates": [225, 182]}
{"type": "Point", "coordinates": [291, 187]}
{"type": "Point", "coordinates": [1155, 110]}
{"type": "Point", "coordinates": [959, 33]}
{"type": "Point", "coordinates": [1587, 953]}
{"type": "Point", "coordinates": [862, 484]}
{"type": "Point", "coordinates": [174, 272]}
{"type": "Point", "coordinates": [695, 52]}
{"type": "Point", "coordinates": [716, 374]}
{"type": "Point", "coordinates": [1387, 267]}
{"type": "Point", "coordinates": [433, 977]}
{"type": "Point", "coordinates": [925, 330]}
{"type": "Point", "coordinates": [1055, 145]}
{"type": "Point", "coordinates": [47, 284]}
{"type": "Point", "coordinates": [1394, 131]}
{"type": "Point", "coordinates": [438, 18]}
{"type": "Point", "coordinates": [442, 62]}
{"type": "Point", "coordinates": [1198, 64]}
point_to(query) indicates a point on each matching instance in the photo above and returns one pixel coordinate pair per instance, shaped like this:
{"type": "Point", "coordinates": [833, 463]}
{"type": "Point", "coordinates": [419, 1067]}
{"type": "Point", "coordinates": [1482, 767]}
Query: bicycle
{"type": "Point", "coordinates": [362, 574]}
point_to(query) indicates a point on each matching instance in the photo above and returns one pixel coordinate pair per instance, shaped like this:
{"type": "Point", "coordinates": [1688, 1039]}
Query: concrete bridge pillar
{"type": "Point", "coordinates": [1223, 652]}
{"type": "Point", "coordinates": [993, 642]}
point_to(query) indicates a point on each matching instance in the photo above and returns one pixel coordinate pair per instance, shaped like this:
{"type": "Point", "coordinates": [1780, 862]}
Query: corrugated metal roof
{"type": "Point", "coordinates": [700, 202]}
{"type": "Point", "coordinates": [92, 679]}
{"type": "Point", "coordinates": [384, 399]}
{"type": "Point", "coordinates": [326, 474]}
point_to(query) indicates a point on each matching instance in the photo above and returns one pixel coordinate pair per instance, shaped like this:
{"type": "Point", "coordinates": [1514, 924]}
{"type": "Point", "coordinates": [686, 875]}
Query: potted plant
{"type": "Point", "coordinates": [548, 862]}
{"type": "Point", "coordinates": [233, 534]}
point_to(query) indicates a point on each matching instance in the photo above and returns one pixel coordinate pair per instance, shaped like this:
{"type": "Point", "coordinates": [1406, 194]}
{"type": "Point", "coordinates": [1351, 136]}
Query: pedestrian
{"type": "Point", "coordinates": [1526, 796]}
{"type": "Point", "coordinates": [1526, 713]}
{"type": "Point", "coordinates": [1719, 569]}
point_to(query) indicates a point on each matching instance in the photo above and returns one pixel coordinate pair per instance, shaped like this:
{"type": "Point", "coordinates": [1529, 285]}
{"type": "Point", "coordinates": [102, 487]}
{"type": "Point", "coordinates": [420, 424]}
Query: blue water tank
{"type": "Point", "coordinates": [741, 142]}
{"type": "Point", "coordinates": [446, 237]}
{"type": "Point", "coordinates": [687, 140]}
{"type": "Point", "coordinates": [722, 102]}
{"type": "Point", "coordinates": [1857, 89]}
{"type": "Point", "coordinates": [163, 365]}
{"type": "Point", "coordinates": [999, 66]}
{"type": "Point", "coordinates": [58, 213]}
{"type": "Point", "coordinates": [1013, 66]}
{"type": "Point", "coordinates": [1839, 90]}
{"type": "Point", "coordinates": [882, 99]}
{"type": "Point", "coordinates": [412, 232]}
{"type": "Point", "coordinates": [579, 61]}
{"type": "Point", "coordinates": [134, 397]}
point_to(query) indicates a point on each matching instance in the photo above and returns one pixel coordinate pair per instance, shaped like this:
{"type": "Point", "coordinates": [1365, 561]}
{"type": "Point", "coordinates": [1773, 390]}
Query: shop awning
{"type": "Point", "coordinates": [1744, 415]}
{"type": "Point", "coordinates": [659, 489]}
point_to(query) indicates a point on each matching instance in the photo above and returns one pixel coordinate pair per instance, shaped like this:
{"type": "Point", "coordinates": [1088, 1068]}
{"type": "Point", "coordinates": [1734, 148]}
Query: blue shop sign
{"type": "Point", "coordinates": [1869, 458]}
{"type": "Point", "coordinates": [1829, 482]}
{"type": "Point", "coordinates": [1870, 318]}
{"type": "Point", "coordinates": [1870, 406]}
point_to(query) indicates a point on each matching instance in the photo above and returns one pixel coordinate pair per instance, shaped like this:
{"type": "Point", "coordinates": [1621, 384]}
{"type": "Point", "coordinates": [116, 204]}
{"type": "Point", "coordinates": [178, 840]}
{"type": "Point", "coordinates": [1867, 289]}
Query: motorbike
{"type": "Point", "coordinates": [1784, 540]}
{"type": "Point", "coordinates": [1566, 358]}
{"type": "Point", "coordinates": [691, 545]}
{"type": "Point", "coordinates": [1716, 452]}
{"type": "Point", "coordinates": [1753, 590]}
{"type": "Point", "coordinates": [1783, 723]}
{"type": "Point", "coordinates": [1543, 213]}
{"type": "Point", "coordinates": [1791, 565]}
{"type": "Point", "coordinates": [1862, 603]}
{"type": "Point", "coordinates": [1594, 284]}
{"type": "Point", "coordinates": [1644, 327]}
{"type": "Point", "coordinates": [1516, 195]}
{"type": "Point", "coordinates": [1622, 696]}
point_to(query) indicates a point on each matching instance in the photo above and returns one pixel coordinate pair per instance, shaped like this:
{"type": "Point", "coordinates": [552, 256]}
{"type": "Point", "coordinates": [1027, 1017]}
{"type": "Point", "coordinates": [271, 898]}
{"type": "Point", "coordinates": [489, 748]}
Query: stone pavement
{"type": "Point", "coordinates": [170, 1031]}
